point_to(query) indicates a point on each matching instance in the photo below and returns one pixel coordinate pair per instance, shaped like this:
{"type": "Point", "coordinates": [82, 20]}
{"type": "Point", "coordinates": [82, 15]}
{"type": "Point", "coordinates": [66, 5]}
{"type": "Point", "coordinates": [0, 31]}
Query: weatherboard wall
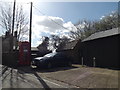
{"type": "Point", "coordinates": [105, 52]}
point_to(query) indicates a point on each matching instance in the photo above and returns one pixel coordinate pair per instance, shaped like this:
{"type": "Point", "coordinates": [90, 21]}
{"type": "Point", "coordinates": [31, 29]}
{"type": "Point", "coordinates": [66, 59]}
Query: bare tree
{"type": "Point", "coordinates": [58, 41]}
{"type": "Point", "coordinates": [6, 18]}
{"type": "Point", "coordinates": [21, 23]}
{"type": "Point", "coordinates": [63, 41]}
{"type": "Point", "coordinates": [21, 20]}
{"type": "Point", "coordinates": [85, 28]}
{"type": "Point", "coordinates": [55, 41]}
{"type": "Point", "coordinates": [82, 30]}
{"type": "Point", "coordinates": [45, 41]}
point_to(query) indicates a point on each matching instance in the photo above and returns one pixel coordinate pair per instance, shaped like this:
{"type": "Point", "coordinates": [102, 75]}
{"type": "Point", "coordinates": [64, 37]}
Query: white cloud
{"type": "Point", "coordinates": [102, 17]}
{"type": "Point", "coordinates": [111, 15]}
{"type": "Point", "coordinates": [50, 23]}
{"type": "Point", "coordinates": [46, 25]}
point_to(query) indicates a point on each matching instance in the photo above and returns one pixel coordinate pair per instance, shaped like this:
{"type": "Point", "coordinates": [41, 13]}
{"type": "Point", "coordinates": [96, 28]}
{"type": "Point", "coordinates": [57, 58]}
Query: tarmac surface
{"type": "Point", "coordinates": [61, 77]}
{"type": "Point", "coordinates": [85, 77]}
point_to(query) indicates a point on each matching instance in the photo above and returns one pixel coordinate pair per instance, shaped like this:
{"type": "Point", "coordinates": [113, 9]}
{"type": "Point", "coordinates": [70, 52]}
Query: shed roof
{"type": "Point", "coordinates": [68, 46]}
{"type": "Point", "coordinates": [102, 34]}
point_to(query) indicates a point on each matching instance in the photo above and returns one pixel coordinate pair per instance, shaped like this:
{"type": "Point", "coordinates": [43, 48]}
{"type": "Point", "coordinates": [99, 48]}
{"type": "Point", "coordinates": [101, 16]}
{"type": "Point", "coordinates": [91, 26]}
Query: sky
{"type": "Point", "coordinates": [73, 11]}
{"type": "Point", "coordinates": [59, 17]}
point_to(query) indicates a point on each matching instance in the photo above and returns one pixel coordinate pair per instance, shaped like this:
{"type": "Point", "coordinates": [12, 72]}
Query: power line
{"type": "Point", "coordinates": [41, 13]}
{"type": "Point", "coordinates": [50, 18]}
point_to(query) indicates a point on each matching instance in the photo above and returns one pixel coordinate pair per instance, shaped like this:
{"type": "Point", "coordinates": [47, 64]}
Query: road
{"type": "Point", "coordinates": [18, 78]}
{"type": "Point", "coordinates": [62, 77]}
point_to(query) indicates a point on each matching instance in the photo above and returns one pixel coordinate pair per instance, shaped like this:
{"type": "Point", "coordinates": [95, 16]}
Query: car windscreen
{"type": "Point", "coordinates": [50, 54]}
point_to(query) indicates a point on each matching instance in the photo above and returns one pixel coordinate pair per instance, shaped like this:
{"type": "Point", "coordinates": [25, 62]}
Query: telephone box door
{"type": "Point", "coordinates": [24, 53]}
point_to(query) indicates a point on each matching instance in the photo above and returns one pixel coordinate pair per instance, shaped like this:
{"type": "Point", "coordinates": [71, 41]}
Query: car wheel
{"type": "Point", "coordinates": [49, 65]}
{"type": "Point", "coordinates": [70, 63]}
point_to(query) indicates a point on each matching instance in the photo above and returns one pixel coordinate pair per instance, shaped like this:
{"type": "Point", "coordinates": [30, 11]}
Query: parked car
{"type": "Point", "coordinates": [52, 60]}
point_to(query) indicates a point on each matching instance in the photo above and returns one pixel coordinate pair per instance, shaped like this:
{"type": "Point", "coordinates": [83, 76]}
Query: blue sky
{"type": "Point", "coordinates": [73, 11]}
{"type": "Point", "coordinates": [64, 13]}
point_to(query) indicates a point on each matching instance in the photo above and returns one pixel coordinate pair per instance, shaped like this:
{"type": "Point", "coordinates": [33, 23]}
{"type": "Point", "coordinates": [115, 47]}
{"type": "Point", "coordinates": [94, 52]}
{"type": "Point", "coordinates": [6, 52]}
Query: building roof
{"type": "Point", "coordinates": [34, 49]}
{"type": "Point", "coordinates": [102, 34]}
{"type": "Point", "coordinates": [68, 46]}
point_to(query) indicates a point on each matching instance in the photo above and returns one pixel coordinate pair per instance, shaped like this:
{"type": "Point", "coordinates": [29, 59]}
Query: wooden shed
{"type": "Point", "coordinates": [102, 49]}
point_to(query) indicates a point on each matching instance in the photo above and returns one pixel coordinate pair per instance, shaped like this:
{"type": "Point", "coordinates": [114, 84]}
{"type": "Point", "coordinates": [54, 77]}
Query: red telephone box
{"type": "Point", "coordinates": [24, 53]}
